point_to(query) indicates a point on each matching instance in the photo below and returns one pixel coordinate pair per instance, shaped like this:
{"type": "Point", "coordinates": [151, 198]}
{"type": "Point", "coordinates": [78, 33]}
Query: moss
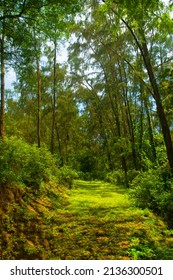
{"type": "Point", "coordinates": [94, 220]}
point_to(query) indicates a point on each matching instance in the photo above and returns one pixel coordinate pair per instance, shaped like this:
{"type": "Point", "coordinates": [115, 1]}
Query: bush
{"type": "Point", "coordinates": [115, 177]}
{"type": "Point", "coordinates": [66, 175]}
{"type": "Point", "coordinates": [24, 163]}
{"type": "Point", "coordinates": [132, 174]}
{"type": "Point", "coordinates": [153, 189]}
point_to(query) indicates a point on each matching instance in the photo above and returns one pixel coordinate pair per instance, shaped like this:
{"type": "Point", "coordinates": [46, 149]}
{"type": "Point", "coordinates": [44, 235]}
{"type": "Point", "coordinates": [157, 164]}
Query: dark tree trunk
{"type": "Point", "coordinates": [159, 106]}
{"type": "Point", "coordinates": [38, 104]}
{"type": "Point", "coordinates": [114, 106]}
{"type": "Point", "coordinates": [2, 115]}
{"type": "Point", "coordinates": [144, 104]}
{"type": "Point", "coordinates": [129, 118]}
{"type": "Point", "coordinates": [156, 94]}
{"type": "Point", "coordinates": [141, 127]}
{"type": "Point", "coordinates": [115, 109]}
{"type": "Point", "coordinates": [105, 139]}
{"type": "Point", "coordinates": [59, 145]}
{"type": "Point", "coordinates": [54, 102]}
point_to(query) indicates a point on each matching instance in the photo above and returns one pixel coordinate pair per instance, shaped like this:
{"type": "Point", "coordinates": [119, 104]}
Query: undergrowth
{"type": "Point", "coordinates": [153, 189]}
{"type": "Point", "coordinates": [22, 163]}
{"type": "Point", "coordinates": [26, 164]}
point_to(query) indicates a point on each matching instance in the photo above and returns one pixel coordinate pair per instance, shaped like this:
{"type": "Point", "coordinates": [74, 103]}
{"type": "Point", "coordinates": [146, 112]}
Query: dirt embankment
{"type": "Point", "coordinates": [26, 221]}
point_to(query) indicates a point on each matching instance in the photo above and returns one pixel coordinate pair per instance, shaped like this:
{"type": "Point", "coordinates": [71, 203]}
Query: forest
{"type": "Point", "coordinates": [86, 129]}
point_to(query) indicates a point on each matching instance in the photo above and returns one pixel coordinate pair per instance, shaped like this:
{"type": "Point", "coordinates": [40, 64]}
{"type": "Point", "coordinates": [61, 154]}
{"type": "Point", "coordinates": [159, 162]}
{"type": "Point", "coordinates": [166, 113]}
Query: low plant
{"type": "Point", "coordinates": [115, 177]}
{"type": "Point", "coordinates": [24, 163]}
{"type": "Point", "coordinates": [66, 175]}
{"type": "Point", "coordinates": [153, 189]}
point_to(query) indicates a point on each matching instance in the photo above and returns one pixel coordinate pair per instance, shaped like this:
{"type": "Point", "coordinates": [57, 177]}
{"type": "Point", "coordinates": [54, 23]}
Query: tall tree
{"type": "Point", "coordinates": [135, 18]}
{"type": "Point", "coordinates": [26, 14]}
{"type": "Point", "coordinates": [2, 42]}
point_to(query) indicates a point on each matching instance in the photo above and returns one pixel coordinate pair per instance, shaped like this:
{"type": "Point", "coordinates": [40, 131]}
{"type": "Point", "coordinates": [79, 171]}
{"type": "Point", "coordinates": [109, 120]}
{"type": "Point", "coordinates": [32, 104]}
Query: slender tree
{"type": "Point", "coordinates": [2, 115]}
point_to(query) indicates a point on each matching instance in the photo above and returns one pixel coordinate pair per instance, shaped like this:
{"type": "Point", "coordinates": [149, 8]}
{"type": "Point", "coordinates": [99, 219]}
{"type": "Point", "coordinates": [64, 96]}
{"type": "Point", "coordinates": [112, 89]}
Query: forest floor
{"type": "Point", "coordinates": [101, 223]}
{"type": "Point", "coordinates": [96, 222]}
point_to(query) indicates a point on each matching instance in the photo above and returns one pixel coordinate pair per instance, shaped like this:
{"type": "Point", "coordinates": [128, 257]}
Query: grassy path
{"type": "Point", "coordinates": [100, 223]}
{"type": "Point", "coordinates": [95, 221]}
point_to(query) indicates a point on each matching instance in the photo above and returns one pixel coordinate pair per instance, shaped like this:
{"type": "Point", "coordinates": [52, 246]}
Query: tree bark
{"type": "Point", "coordinates": [156, 94]}
{"type": "Point", "coordinates": [128, 116]}
{"type": "Point", "coordinates": [141, 128]}
{"type": "Point", "coordinates": [159, 106]}
{"type": "Point", "coordinates": [59, 146]}
{"type": "Point", "coordinates": [114, 105]}
{"type": "Point", "coordinates": [2, 115]}
{"type": "Point", "coordinates": [54, 102]}
{"type": "Point", "coordinates": [150, 133]}
{"type": "Point", "coordinates": [38, 104]}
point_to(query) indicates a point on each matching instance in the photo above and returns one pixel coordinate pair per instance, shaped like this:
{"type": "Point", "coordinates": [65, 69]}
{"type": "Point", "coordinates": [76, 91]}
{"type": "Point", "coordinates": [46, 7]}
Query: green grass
{"type": "Point", "coordinates": [96, 221]}
{"type": "Point", "coordinates": [95, 196]}
{"type": "Point", "coordinates": [101, 223]}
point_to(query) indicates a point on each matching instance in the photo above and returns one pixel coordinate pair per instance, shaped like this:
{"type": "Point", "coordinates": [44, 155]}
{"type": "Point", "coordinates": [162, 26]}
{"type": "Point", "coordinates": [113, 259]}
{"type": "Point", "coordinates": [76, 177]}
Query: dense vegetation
{"type": "Point", "coordinates": [105, 113]}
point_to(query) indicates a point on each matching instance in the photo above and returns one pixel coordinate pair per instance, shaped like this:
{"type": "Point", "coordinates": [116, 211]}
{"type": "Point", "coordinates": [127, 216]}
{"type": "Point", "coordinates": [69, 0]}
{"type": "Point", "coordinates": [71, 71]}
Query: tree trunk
{"type": "Point", "coordinates": [150, 133]}
{"type": "Point", "coordinates": [105, 139]}
{"type": "Point", "coordinates": [2, 86]}
{"type": "Point", "coordinates": [38, 104]}
{"type": "Point", "coordinates": [159, 106]}
{"type": "Point", "coordinates": [156, 94]}
{"type": "Point", "coordinates": [141, 128]}
{"type": "Point", "coordinates": [128, 116]}
{"type": "Point", "coordinates": [114, 105]}
{"type": "Point", "coordinates": [59, 146]}
{"type": "Point", "coordinates": [54, 102]}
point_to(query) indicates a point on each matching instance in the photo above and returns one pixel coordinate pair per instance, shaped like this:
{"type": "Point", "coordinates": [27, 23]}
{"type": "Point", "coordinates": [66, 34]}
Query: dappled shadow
{"type": "Point", "coordinates": [99, 187]}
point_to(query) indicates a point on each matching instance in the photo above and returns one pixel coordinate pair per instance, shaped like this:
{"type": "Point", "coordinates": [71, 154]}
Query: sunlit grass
{"type": "Point", "coordinates": [105, 215]}
{"type": "Point", "coordinates": [96, 195]}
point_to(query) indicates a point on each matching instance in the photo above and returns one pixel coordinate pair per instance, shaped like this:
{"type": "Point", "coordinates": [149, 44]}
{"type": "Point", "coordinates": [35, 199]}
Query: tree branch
{"type": "Point", "coordinates": [13, 16]}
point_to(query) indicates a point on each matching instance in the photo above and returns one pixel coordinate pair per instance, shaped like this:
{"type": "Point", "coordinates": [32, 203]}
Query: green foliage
{"type": "Point", "coordinates": [131, 175]}
{"type": "Point", "coordinates": [153, 189]}
{"type": "Point", "coordinates": [115, 177]}
{"type": "Point", "coordinates": [141, 253]}
{"type": "Point", "coordinates": [88, 166]}
{"type": "Point", "coordinates": [87, 162]}
{"type": "Point", "coordinates": [24, 163]}
{"type": "Point", "coordinates": [66, 175]}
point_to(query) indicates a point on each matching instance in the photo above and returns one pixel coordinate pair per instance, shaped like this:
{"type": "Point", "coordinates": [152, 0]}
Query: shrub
{"type": "Point", "coordinates": [153, 189]}
{"type": "Point", "coordinates": [115, 177]}
{"type": "Point", "coordinates": [66, 175]}
{"type": "Point", "coordinates": [24, 163]}
{"type": "Point", "coordinates": [131, 175]}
